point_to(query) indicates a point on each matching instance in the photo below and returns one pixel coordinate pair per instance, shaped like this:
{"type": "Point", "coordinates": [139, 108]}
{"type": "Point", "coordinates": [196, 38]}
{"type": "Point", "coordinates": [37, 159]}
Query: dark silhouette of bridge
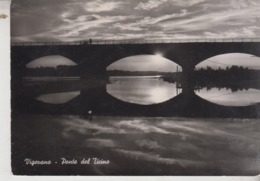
{"type": "Point", "coordinates": [94, 58]}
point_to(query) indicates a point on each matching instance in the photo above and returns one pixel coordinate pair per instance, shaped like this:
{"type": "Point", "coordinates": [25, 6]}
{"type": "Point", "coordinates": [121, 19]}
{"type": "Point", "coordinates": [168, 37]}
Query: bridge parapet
{"type": "Point", "coordinates": [155, 41]}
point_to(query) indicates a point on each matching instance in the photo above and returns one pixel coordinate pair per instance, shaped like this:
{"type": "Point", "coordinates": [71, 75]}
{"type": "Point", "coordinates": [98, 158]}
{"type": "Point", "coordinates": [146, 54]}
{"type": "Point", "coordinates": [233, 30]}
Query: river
{"type": "Point", "coordinates": [131, 145]}
{"type": "Point", "coordinates": [147, 90]}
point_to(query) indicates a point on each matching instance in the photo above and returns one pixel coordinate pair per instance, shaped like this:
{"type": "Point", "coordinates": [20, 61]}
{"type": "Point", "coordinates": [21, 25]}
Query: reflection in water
{"type": "Point", "coordinates": [32, 79]}
{"type": "Point", "coordinates": [227, 97]}
{"type": "Point", "coordinates": [58, 98]}
{"type": "Point", "coordinates": [142, 90]}
{"type": "Point", "coordinates": [143, 145]}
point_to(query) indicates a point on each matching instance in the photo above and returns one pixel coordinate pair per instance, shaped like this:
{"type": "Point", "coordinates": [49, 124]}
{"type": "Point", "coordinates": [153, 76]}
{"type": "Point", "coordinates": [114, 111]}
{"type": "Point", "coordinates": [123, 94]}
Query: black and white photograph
{"type": "Point", "coordinates": [135, 88]}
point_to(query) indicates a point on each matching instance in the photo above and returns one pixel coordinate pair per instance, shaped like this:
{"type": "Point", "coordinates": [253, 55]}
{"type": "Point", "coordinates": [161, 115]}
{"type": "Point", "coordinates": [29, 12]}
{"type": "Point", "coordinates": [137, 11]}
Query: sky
{"type": "Point", "coordinates": [72, 20]}
{"type": "Point", "coordinates": [50, 61]}
{"type": "Point", "coordinates": [144, 63]}
{"type": "Point", "coordinates": [231, 59]}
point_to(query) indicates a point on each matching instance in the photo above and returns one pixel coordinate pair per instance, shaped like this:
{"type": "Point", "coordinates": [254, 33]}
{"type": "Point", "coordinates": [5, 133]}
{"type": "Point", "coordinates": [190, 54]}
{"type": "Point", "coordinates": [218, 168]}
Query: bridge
{"type": "Point", "coordinates": [94, 58]}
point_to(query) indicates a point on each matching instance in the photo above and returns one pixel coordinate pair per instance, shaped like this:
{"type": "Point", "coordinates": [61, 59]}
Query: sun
{"type": "Point", "coordinates": [158, 54]}
{"type": "Point", "coordinates": [158, 58]}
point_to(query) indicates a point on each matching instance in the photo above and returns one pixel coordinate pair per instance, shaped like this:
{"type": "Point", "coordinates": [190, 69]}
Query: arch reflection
{"type": "Point", "coordinates": [58, 98]}
{"type": "Point", "coordinates": [228, 97]}
{"type": "Point", "coordinates": [143, 90]}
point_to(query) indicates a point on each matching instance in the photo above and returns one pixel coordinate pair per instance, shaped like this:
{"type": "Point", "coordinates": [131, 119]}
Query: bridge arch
{"type": "Point", "coordinates": [96, 58]}
{"type": "Point", "coordinates": [231, 59]}
{"type": "Point", "coordinates": [229, 79]}
{"type": "Point", "coordinates": [144, 62]}
{"type": "Point", "coordinates": [141, 79]}
{"type": "Point", "coordinates": [49, 61]}
{"type": "Point", "coordinates": [213, 50]}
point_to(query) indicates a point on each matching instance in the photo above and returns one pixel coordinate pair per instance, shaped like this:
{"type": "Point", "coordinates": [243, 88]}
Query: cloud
{"type": "Point", "coordinates": [129, 27]}
{"type": "Point", "coordinates": [143, 23]}
{"type": "Point", "coordinates": [149, 157]}
{"type": "Point", "coordinates": [100, 6]}
{"type": "Point", "coordinates": [242, 4]}
{"type": "Point", "coordinates": [74, 29]}
{"type": "Point", "coordinates": [235, 33]}
{"type": "Point", "coordinates": [212, 21]}
{"type": "Point", "coordinates": [74, 124]}
{"type": "Point", "coordinates": [153, 20]}
{"type": "Point", "coordinates": [141, 125]}
{"type": "Point", "coordinates": [192, 128]}
{"type": "Point", "coordinates": [149, 144]}
{"type": "Point", "coordinates": [66, 20]}
{"type": "Point", "coordinates": [99, 142]}
{"type": "Point", "coordinates": [151, 4]}
{"type": "Point", "coordinates": [82, 18]}
{"type": "Point", "coordinates": [187, 3]}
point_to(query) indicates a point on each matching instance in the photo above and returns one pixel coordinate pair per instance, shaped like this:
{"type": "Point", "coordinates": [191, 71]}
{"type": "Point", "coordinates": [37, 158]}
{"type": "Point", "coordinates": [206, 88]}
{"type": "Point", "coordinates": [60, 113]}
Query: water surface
{"type": "Point", "coordinates": [141, 146]}
{"type": "Point", "coordinates": [142, 90]}
{"type": "Point", "coordinates": [58, 98]}
{"type": "Point", "coordinates": [227, 97]}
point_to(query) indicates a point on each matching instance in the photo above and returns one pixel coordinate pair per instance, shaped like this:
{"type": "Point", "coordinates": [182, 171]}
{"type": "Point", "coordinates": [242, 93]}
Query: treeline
{"type": "Point", "coordinates": [233, 73]}
{"type": "Point", "coordinates": [234, 86]}
{"type": "Point", "coordinates": [135, 73]}
{"type": "Point", "coordinates": [234, 78]}
{"type": "Point", "coordinates": [59, 71]}
{"type": "Point", "coordinates": [65, 70]}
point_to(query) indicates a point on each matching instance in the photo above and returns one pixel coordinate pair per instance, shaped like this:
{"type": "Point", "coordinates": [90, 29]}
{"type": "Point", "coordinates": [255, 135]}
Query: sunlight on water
{"type": "Point", "coordinates": [228, 98]}
{"type": "Point", "coordinates": [142, 90]}
{"type": "Point", "coordinates": [58, 98]}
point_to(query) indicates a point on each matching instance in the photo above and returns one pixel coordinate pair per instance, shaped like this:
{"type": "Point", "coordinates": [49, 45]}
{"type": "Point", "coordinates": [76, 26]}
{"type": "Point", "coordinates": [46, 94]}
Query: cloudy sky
{"type": "Point", "coordinates": [69, 20]}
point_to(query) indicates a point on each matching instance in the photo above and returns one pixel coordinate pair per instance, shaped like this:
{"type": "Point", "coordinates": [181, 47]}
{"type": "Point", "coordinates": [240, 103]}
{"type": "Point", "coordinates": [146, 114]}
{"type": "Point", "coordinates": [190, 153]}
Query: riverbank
{"type": "Point", "coordinates": [169, 78]}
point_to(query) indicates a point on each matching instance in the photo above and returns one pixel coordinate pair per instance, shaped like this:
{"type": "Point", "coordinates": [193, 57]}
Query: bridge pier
{"type": "Point", "coordinates": [93, 72]}
{"type": "Point", "coordinates": [188, 79]}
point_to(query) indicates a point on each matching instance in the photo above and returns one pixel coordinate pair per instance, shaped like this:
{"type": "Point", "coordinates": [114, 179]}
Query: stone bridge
{"type": "Point", "coordinates": [94, 58]}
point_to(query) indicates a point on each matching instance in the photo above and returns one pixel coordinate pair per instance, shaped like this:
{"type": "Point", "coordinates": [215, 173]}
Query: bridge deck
{"type": "Point", "coordinates": [155, 41]}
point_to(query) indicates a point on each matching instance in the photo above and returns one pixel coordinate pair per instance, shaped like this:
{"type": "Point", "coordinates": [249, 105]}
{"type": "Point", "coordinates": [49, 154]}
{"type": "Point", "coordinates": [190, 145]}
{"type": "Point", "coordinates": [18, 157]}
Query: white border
{"type": "Point", "coordinates": [5, 151]}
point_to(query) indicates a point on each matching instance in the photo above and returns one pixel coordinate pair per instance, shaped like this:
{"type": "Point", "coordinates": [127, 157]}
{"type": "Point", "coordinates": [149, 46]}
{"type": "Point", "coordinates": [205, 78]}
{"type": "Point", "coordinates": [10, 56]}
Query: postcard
{"type": "Point", "coordinates": [135, 88]}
